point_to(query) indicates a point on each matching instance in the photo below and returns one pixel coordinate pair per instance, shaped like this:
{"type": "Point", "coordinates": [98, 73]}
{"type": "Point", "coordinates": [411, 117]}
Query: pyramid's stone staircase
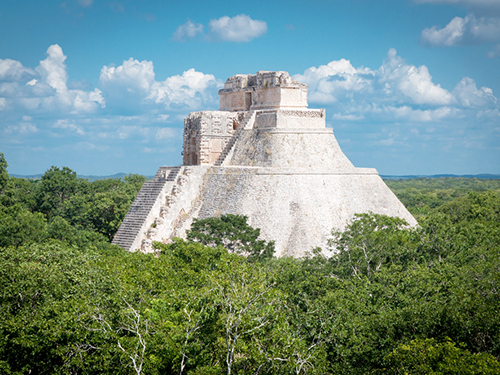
{"type": "Point", "coordinates": [246, 123]}
{"type": "Point", "coordinates": [146, 199]}
{"type": "Point", "coordinates": [163, 209]}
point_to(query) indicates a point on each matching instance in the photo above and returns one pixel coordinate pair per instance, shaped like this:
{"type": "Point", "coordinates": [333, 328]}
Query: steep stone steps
{"type": "Point", "coordinates": [174, 172]}
{"type": "Point", "coordinates": [138, 213]}
{"type": "Point", "coordinates": [247, 122]}
{"type": "Point", "coordinates": [143, 203]}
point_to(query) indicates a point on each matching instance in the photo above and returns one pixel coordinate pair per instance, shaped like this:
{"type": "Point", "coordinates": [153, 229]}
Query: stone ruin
{"type": "Point", "coordinates": [265, 155]}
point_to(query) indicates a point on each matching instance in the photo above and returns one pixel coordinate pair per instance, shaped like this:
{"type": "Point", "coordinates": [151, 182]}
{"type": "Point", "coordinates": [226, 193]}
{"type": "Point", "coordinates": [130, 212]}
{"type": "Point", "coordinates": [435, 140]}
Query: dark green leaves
{"type": "Point", "coordinates": [232, 232]}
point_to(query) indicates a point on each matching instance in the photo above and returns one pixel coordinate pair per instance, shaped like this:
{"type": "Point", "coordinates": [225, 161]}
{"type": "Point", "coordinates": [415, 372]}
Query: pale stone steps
{"type": "Point", "coordinates": [174, 172]}
{"type": "Point", "coordinates": [247, 119]}
{"type": "Point", "coordinates": [143, 203]}
{"type": "Point", "coordinates": [228, 147]}
{"type": "Point", "coordinates": [137, 213]}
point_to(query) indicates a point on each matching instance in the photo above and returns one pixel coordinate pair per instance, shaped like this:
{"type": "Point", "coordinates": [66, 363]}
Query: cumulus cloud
{"type": "Point", "coordinates": [24, 127]}
{"type": "Point", "coordinates": [69, 125]}
{"type": "Point", "coordinates": [480, 26]}
{"type": "Point", "coordinates": [52, 71]}
{"type": "Point", "coordinates": [44, 88]}
{"type": "Point", "coordinates": [394, 81]}
{"type": "Point", "coordinates": [395, 91]}
{"type": "Point", "coordinates": [240, 28]}
{"type": "Point", "coordinates": [12, 70]}
{"type": "Point", "coordinates": [463, 31]}
{"type": "Point", "coordinates": [415, 83]}
{"type": "Point", "coordinates": [410, 114]}
{"type": "Point", "coordinates": [337, 78]}
{"type": "Point", "coordinates": [133, 76]}
{"type": "Point", "coordinates": [190, 89]}
{"type": "Point", "coordinates": [469, 96]}
{"type": "Point", "coordinates": [133, 84]}
{"type": "Point", "coordinates": [187, 31]}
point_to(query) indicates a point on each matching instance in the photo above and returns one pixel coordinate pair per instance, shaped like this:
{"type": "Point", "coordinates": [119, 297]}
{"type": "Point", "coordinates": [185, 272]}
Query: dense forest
{"type": "Point", "coordinates": [393, 300]}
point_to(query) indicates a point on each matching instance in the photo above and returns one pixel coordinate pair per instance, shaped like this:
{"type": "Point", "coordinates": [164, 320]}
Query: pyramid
{"type": "Point", "coordinates": [265, 155]}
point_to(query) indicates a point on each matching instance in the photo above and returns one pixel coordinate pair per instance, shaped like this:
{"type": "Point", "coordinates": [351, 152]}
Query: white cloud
{"type": "Point", "coordinates": [413, 82]}
{"type": "Point", "coordinates": [133, 75]}
{"type": "Point", "coordinates": [191, 89]}
{"type": "Point", "coordinates": [470, 96]}
{"type": "Point", "coordinates": [24, 127]}
{"type": "Point", "coordinates": [418, 115]}
{"type": "Point", "coordinates": [53, 69]}
{"type": "Point", "coordinates": [12, 70]}
{"type": "Point", "coordinates": [395, 81]}
{"type": "Point", "coordinates": [481, 25]}
{"type": "Point", "coordinates": [187, 31]}
{"type": "Point", "coordinates": [240, 28]}
{"type": "Point", "coordinates": [165, 133]}
{"type": "Point", "coordinates": [350, 117]}
{"type": "Point", "coordinates": [397, 91]}
{"type": "Point", "coordinates": [44, 89]}
{"type": "Point", "coordinates": [495, 52]}
{"type": "Point", "coordinates": [133, 85]}
{"type": "Point", "coordinates": [69, 125]}
{"type": "Point", "coordinates": [337, 78]}
{"type": "Point", "coordinates": [450, 35]}
{"type": "Point", "coordinates": [463, 31]}
{"type": "Point", "coordinates": [162, 118]}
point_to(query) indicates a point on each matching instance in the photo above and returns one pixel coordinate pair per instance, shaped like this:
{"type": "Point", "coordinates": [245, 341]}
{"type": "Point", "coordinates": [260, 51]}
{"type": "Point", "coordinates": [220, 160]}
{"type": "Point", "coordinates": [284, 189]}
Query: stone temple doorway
{"type": "Point", "coordinates": [248, 100]}
{"type": "Point", "coordinates": [192, 156]}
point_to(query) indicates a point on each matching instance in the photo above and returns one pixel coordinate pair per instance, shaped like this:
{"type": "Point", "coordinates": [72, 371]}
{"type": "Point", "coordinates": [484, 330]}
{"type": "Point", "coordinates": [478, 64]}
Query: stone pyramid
{"type": "Point", "coordinates": [265, 155]}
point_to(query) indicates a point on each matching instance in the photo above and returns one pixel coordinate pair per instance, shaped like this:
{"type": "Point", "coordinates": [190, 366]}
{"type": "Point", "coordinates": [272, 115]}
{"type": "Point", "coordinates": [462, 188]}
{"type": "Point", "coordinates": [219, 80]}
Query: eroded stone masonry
{"type": "Point", "coordinates": [266, 155]}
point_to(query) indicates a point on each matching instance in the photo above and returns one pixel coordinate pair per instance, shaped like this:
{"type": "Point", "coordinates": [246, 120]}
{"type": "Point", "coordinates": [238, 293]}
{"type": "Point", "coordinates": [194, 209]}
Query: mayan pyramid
{"type": "Point", "coordinates": [265, 155]}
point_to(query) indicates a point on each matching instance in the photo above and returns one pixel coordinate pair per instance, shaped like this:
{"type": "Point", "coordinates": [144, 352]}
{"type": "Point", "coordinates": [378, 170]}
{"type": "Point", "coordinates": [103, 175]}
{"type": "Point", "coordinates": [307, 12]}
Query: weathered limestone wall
{"type": "Point", "coordinates": [288, 148]}
{"type": "Point", "coordinates": [235, 101]}
{"type": "Point", "coordinates": [290, 118]}
{"type": "Point", "coordinates": [181, 203]}
{"type": "Point", "coordinates": [297, 208]}
{"type": "Point", "coordinates": [279, 97]}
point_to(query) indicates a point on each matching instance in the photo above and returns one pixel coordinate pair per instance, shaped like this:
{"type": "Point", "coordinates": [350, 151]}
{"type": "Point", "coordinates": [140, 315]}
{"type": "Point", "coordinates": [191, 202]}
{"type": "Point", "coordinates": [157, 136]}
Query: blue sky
{"type": "Point", "coordinates": [100, 86]}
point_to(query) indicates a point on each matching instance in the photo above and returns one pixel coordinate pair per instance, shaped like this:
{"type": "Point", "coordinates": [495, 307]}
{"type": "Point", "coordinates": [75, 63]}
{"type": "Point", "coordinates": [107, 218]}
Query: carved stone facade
{"type": "Point", "coordinates": [264, 90]}
{"type": "Point", "coordinates": [206, 134]}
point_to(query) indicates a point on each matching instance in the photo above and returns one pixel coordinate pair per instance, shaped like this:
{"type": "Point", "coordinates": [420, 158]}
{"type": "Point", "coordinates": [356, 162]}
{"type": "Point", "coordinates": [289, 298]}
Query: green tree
{"type": "Point", "coordinates": [369, 242]}
{"type": "Point", "coordinates": [19, 226]}
{"type": "Point", "coordinates": [428, 357]}
{"type": "Point", "coordinates": [49, 293]}
{"type": "Point", "coordinates": [232, 232]}
{"type": "Point", "coordinates": [4, 175]}
{"type": "Point", "coordinates": [56, 187]}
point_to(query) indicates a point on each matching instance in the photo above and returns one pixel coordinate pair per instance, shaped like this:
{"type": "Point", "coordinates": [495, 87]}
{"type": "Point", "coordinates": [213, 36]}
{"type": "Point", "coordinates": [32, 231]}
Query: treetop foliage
{"type": "Point", "coordinates": [391, 300]}
{"type": "Point", "coordinates": [233, 233]}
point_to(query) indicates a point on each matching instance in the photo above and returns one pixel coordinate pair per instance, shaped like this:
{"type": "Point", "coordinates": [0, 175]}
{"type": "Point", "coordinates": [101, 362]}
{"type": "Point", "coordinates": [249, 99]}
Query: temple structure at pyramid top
{"type": "Point", "coordinates": [266, 155]}
{"type": "Point", "coordinates": [264, 90]}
